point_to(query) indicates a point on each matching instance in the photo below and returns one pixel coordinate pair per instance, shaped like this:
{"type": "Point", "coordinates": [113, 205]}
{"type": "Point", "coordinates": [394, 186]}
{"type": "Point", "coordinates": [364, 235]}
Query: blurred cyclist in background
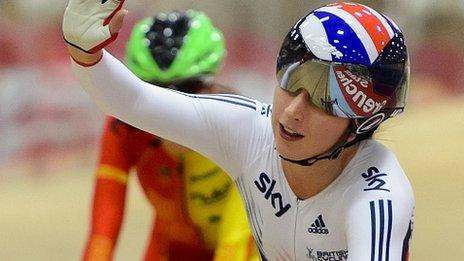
{"type": "Point", "coordinates": [199, 214]}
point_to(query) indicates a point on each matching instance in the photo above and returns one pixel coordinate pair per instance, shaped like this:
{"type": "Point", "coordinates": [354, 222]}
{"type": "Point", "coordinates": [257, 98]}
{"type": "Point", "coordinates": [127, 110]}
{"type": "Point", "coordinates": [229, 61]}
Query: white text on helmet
{"type": "Point", "coordinates": [367, 105]}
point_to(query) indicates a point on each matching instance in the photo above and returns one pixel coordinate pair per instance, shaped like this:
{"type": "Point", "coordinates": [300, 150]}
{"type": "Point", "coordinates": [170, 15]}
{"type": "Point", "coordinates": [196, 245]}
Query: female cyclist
{"type": "Point", "coordinates": [315, 184]}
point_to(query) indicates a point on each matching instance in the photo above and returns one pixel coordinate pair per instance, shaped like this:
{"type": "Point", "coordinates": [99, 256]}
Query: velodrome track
{"type": "Point", "coordinates": [45, 218]}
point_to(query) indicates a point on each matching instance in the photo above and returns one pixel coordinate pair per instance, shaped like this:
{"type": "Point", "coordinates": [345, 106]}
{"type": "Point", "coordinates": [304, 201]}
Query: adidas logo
{"type": "Point", "coordinates": [318, 226]}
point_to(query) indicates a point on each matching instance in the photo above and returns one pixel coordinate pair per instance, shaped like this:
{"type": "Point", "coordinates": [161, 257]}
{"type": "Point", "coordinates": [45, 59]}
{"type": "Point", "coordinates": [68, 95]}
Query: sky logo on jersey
{"type": "Point", "coordinates": [266, 110]}
{"type": "Point", "coordinates": [318, 226]}
{"type": "Point", "coordinates": [375, 179]}
{"type": "Point", "coordinates": [266, 185]}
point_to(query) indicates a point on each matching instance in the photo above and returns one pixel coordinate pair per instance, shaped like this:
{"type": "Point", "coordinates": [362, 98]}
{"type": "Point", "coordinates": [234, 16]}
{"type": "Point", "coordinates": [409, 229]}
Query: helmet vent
{"type": "Point", "coordinates": [166, 37]}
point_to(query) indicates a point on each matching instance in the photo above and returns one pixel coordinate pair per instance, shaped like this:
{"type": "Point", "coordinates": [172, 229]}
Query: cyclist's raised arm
{"type": "Point", "coordinates": [205, 123]}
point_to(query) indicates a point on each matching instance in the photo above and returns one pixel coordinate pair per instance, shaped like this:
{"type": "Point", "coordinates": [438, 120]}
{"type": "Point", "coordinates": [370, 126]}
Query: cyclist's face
{"type": "Point", "coordinates": [302, 130]}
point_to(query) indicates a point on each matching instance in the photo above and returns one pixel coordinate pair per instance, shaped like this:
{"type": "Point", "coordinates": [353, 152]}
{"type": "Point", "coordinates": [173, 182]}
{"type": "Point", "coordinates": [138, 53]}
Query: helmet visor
{"type": "Point", "coordinates": [344, 90]}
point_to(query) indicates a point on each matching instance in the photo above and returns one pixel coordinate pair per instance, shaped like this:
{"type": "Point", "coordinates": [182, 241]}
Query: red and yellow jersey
{"type": "Point", "coordinates": [199, 214]}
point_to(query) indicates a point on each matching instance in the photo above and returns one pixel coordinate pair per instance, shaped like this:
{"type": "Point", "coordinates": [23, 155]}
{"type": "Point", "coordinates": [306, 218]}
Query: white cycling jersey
{"type": "Point", "coordinates": [364, 214]}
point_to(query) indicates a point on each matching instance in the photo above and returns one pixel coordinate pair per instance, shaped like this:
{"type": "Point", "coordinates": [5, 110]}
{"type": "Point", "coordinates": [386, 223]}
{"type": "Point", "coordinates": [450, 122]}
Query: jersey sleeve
{"type": "Point", "coordinates": [219, 126]}
{"type": "Point", "coordinates": [110, 192]}
{"type": "Point", "coordinates": [379, 226]}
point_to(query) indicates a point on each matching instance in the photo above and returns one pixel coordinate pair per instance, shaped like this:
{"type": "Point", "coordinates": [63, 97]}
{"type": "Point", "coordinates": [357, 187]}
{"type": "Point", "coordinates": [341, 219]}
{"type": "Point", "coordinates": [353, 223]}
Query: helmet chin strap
{"type": "Point", "coordinates": [333, 154]}
{"type": "Point", "coordinates": [310, 161]}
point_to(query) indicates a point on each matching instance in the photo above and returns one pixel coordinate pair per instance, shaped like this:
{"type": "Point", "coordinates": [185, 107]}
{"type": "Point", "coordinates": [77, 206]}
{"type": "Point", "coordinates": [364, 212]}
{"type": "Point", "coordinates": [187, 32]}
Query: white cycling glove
{"type": "Point", "coordinates": [85, 23]}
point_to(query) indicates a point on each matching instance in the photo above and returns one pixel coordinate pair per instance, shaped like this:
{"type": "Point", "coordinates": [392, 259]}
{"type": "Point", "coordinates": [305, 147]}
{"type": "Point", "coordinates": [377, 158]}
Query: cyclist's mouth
{"type": "Point", "coordinates": [289, 134]}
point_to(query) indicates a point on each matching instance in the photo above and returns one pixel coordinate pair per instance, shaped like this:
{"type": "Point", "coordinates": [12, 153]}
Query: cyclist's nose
{"type": "Point", "coordinates": [295, 109]}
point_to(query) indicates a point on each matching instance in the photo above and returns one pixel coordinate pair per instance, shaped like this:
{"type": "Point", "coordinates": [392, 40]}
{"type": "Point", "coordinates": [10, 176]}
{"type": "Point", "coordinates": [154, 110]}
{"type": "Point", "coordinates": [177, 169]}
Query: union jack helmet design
{"type": "Point", "coordinates": [352, 60]}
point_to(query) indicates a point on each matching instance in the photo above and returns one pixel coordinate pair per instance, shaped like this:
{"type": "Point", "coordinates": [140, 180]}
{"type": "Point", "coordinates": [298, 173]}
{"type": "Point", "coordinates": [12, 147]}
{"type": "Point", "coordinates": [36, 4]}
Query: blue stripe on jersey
{"type": "Point", "coordinates": [344, 38]}
{"type": "Point", "coordinates": [381, 222]}
{"type": "Point", "coordinates": [390, 221]}
{"type": "Point", "coordinates": [263, 257]}
{"type": "Point", "coordinates": [372, 230]}
{"type": "Point", "coordinates": [252, 216]}
{"type": "Point", "coordinates": [381, 232]}
{"type": "Point", "coordinates": [228, 101]}
{"type": "Point", "coordinates": [232, 99]}
{"type": "Point", "coordinates": [405, 252]}
{"type": "Point", "coordinates": [243, 98]}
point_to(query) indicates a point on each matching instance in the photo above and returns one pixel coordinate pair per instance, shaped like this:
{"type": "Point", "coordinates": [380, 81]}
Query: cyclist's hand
{"type": "Point", "coordinates": [90, 25]}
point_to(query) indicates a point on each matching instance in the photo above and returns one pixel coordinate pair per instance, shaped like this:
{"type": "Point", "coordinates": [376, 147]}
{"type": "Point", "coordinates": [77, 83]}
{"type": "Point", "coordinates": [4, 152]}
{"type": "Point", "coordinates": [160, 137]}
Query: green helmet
{"type": "Point", "coordinates": [174, 47]}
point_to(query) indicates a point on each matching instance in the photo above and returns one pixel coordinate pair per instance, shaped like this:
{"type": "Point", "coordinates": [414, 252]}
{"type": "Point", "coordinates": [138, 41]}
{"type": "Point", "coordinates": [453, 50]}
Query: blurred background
{"type": "Point", "coordinates": [49, 128]}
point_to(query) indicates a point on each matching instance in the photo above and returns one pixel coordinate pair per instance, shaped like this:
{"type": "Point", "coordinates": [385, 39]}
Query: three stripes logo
{"type": "Point", "coordinates": [318, 226]}
{"type": "Point", "coordinates": [381, 229]}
